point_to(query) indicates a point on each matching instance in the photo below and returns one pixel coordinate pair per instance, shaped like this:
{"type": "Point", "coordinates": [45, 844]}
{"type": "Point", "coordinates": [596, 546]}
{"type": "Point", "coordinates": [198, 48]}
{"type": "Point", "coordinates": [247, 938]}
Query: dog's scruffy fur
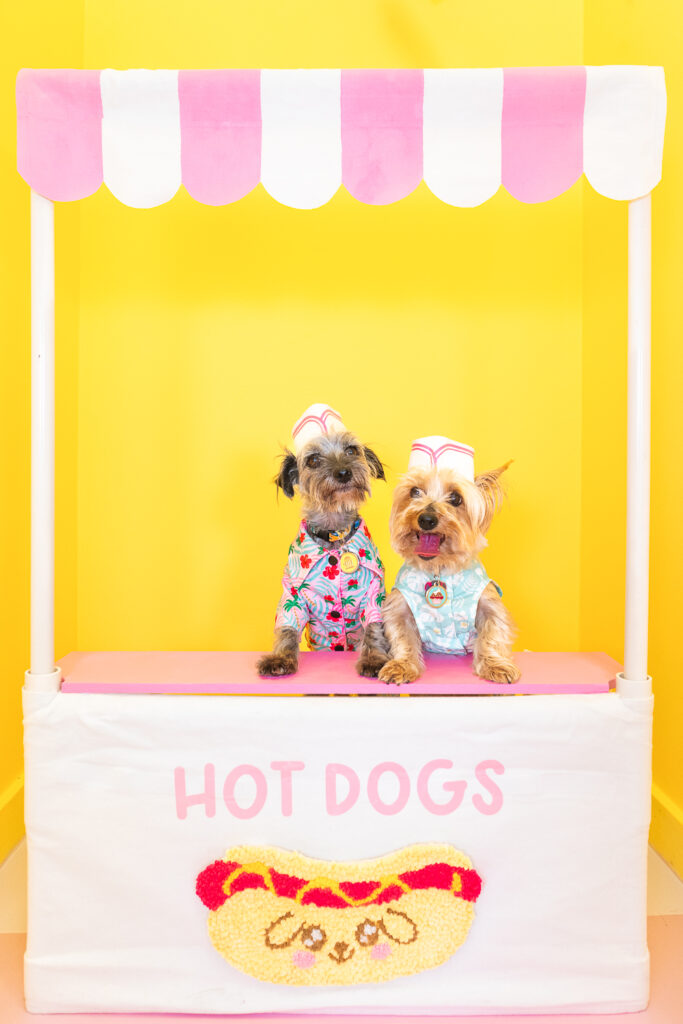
{"type": "Point", "coordinates": [332, 474]}
{"type": "Point", "coordinates": [463, 510]}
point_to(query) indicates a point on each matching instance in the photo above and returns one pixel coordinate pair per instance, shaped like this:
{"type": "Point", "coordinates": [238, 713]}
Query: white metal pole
{"type": "Point", "coordinates": [634, 680]}
{"type": "Point", "coordinates": [42, 674]}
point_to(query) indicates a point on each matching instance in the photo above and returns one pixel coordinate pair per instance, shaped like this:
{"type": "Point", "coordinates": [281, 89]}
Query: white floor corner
{"type": "Point", "coordinates": [665, 889]}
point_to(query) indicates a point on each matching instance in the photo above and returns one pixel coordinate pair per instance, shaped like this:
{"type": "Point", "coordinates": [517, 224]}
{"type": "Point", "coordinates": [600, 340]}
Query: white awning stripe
{"type": "Point", "coordinates": [301, 141]}
{"type": "Point", "coordinates": [623, 130]}
{"type": "Point", "coordinates": [141, 135]}
{"type": "Point", "coordinates": [461, 134]}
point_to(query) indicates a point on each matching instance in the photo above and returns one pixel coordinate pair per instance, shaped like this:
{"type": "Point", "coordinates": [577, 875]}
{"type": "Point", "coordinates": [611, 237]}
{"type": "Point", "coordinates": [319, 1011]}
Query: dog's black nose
{"type": "Point", "coordinates": [427, 520]}
{"type": "Point", "coordinates": [343, 475]}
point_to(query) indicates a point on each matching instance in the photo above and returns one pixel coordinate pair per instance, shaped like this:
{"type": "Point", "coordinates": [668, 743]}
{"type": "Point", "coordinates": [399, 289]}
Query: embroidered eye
{"type": "Point", "coordinates": [313, 937]}
{"type": "Point", "coordinates": [352, 450]}
{"type": "Point", "coordinates": [455, 498]}
{"type": "Point", "coordinates": [367, 933]}
{"type": "Point", "coordinates": [415, 492]}
{"type": "Point", "coordinates": [313, 461]}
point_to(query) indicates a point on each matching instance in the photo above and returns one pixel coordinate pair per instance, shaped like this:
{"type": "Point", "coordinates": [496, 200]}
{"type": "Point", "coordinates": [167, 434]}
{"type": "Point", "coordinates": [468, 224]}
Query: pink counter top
{"type": "Point", "coordinates": [322, 673]}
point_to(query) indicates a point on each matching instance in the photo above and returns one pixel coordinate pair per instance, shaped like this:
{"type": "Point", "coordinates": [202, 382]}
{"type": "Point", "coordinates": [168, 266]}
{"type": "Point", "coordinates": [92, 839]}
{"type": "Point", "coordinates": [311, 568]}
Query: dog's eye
{"type": "Point", "coordinates": [367, 933]}
{"type": "Point", "coordinates": [455, 498]}
{"type": "Point", "coordinates": [312, 461]}
{"type": "Point", "coordinates": [313, 937]}
{"type": "Point", "coordinates": [352, 450]}
{"type": "Point", "coordinates": [415, 492]}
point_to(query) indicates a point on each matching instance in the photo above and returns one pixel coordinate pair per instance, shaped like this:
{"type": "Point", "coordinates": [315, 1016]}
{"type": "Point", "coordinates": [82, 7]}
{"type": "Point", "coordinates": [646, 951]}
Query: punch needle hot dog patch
{"type": "Point", "coordinates": [283, 917]}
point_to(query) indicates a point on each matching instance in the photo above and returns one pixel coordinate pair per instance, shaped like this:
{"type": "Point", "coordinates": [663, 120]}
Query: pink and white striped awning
{"type": "Point", "coordinates": [304, 133]}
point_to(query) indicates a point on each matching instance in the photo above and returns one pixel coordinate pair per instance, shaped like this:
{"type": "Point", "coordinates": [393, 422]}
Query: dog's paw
{"type": "Point", "coordinates": [276, 665]}
{"type": "Point", "coordinates": [370, 663]}
{"type": "Point", "coordinates": [398, 672]}
{"type": "Point", "coordinates": [498, 671]}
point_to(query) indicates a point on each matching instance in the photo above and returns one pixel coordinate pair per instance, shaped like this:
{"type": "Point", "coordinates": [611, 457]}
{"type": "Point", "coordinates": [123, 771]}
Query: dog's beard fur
{"type": "Point", "coordinates": [327, 502]}
{"type": "Point", "coordinates": [460, 527]}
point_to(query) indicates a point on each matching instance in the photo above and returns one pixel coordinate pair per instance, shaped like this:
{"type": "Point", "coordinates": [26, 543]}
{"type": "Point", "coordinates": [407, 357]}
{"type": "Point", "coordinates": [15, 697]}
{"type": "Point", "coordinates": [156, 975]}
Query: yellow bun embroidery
{"type": "Point", "coordinates": [289, 919]}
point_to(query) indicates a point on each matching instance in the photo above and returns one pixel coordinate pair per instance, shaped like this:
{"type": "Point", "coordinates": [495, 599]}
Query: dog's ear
{"type": "Point", "coordinates": [288, 475]}
{"type": "Point", "coordinates": [492, 491]}
{"type": "Point", "coordinates": [375, 464]}
{"type": "Point", "coordinates": [282, 932]}
{"type": "Point", "coordinates": [399, 927]}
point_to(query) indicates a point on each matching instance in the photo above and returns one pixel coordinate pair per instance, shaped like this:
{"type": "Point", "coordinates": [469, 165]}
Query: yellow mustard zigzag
{"type": "Point", "coordinates": [330, 884]}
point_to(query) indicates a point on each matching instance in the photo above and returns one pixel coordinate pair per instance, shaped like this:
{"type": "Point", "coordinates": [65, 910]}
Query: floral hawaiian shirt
{"type": "Point", "coordinates": [333, 595]}
{"type": "Point", "coordinates": [449, 628]}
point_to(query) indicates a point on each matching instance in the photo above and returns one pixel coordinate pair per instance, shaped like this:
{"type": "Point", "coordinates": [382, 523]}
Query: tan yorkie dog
{"type": "Point", "coordinates": [443, 601]}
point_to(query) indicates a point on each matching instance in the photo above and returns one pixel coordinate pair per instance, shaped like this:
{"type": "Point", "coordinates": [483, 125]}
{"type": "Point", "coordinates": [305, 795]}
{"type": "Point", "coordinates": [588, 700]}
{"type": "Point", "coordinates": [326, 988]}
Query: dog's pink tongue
{"type": "Point", "coordinates": [428, 544]}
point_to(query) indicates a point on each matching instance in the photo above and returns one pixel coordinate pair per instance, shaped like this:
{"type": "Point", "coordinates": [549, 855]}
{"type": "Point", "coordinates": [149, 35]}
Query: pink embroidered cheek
{"type": "Point", "coordinates": [381, 951]}
{"type": "Point", "coordinates": [303, 958]}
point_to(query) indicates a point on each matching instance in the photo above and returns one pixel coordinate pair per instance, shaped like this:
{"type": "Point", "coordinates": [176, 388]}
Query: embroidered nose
{"type": "Point", "coordinates": [343, 475]}
{"type": "Point", "coordinates": [427, 520]}
{"type": "Point", "coordinates": [339, 952]}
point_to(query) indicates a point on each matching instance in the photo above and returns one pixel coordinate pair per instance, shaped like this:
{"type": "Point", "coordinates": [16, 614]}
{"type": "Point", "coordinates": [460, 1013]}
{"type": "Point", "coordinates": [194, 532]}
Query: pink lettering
{"type": "Point", "coordinates": [259, 797]}
{"type": "Point", "coordinates": [285, 768]}
{"type": "Point", "coordinates": [457, 789]}
{"type": "Point", "coordinates": [333, 804]}
{"type": "Point", "coordinates": [343, 786]}
{"type": "Point", "coordinates": [496, 802]}
{"type": "Point", "coordinates": [403, 787]}
{"type": "Point", "coordinates": [208, 797]}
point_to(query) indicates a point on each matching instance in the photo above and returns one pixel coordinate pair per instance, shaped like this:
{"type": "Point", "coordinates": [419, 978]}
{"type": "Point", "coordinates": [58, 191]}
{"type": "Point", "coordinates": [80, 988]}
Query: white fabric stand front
{"type": "Point", "coordinates": [554, 817]}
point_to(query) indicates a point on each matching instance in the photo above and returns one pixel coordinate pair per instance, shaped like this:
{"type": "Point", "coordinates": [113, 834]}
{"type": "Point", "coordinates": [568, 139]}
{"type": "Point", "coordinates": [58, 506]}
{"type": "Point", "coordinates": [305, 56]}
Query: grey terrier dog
{"type": "Point", "coordinates": [333, 585]}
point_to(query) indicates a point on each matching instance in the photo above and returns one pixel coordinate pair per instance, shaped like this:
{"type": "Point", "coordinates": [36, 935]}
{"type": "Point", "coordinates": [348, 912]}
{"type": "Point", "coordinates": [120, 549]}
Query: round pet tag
{"type": "Point", "coordinates": [348, 562]}
{"type": "Point", "coordinates": [436, 594]}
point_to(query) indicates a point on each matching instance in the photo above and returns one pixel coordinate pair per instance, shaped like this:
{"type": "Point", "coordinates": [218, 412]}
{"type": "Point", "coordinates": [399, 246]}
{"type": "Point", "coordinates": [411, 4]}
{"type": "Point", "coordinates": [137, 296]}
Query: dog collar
{"type": "Point", "coordinates": [332, 536]}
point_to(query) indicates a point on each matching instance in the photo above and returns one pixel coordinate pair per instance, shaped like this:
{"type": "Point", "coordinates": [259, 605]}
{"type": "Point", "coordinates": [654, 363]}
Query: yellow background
{"type": "Point", "coordinates": [190, 338]}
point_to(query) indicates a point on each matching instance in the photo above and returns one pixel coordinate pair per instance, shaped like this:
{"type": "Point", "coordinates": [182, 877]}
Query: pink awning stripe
{"type": "Point", "coordinates": [59, 139]}
{"type": "Point", "coordinates": [220, 129]}
{"type": "Point", "coordinates": [381, 127]}
{"type": "Point", "coordinates": [542, 131]}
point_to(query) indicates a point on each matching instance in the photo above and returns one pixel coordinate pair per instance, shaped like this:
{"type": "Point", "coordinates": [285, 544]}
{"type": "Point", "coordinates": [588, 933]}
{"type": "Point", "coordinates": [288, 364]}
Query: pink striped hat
{"type": "Point", "coordinates": [318, 419]}
{"type": "Point", "coordinates": [442, 453]}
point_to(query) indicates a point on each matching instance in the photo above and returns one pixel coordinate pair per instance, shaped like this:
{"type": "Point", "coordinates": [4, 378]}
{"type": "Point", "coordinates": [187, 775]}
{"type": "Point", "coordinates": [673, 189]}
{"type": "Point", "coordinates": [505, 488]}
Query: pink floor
{"type": "Point", "coordinates": [666, 1004]}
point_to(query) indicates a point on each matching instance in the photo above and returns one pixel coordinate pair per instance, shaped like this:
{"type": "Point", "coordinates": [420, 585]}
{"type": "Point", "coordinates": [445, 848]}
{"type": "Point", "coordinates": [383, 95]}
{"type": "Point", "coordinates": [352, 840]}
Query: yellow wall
{"type": "Point", "coordinates": [41, 34]}
{"type": "Point", "coordinates": [179, 528]}
{"type": "Point", "coordinates": [194, 322]}
{"type": "Point", "coordinates": [638, 33]}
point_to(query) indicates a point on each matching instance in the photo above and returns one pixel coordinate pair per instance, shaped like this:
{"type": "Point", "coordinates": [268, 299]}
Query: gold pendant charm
{"type": "Point", "coordinates": [348, 562]}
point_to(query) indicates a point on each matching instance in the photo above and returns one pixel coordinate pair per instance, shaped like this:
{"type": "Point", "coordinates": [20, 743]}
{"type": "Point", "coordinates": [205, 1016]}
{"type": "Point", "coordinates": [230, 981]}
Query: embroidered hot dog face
{"type": "Point", "coordinates": [286, 918]}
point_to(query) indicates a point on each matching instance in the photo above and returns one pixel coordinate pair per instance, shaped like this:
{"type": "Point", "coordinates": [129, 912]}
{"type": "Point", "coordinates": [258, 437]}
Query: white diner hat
{"type": "Point", "coordinates": [442, 453]}
{"type": "Point", "coordinates": [318, 419]}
